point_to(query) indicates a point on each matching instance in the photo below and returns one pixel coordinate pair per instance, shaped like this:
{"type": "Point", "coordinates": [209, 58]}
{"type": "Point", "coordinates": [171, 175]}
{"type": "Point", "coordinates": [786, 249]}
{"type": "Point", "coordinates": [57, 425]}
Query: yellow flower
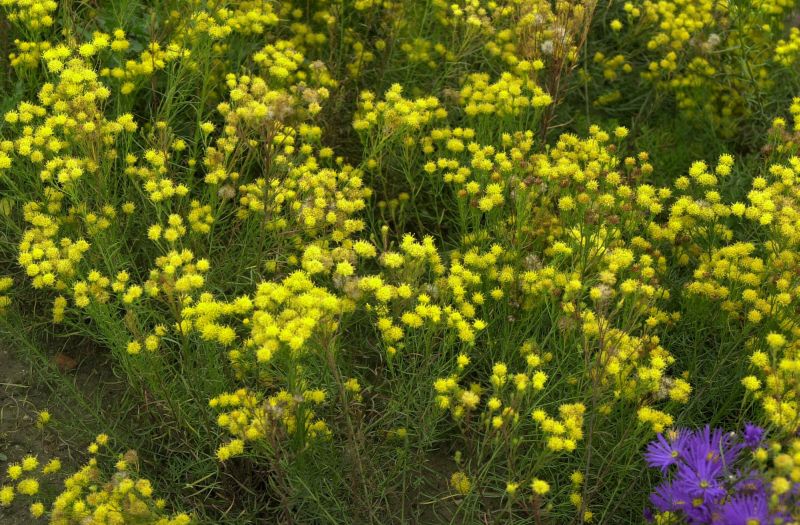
{"type": "Point", "coordinates": [751, 383]}
{"type": "Point", "coordinates": [460, 483]}
{"type": "Point", "coordinates": [29, 463]}
{"type": "Point", "coordinates": [540, 487]}
{"type": "Point", "coordinates": [470, 399]}
{"type": "Point", "coordinates": [43, 418]}
{"type": "Point", "coordinates": [6, 496]}
{"type": "Point", "coordinates": [14, 471]}
{"type": "Point", "coordinates": [37, 509]}
{"type": "Point", "coordinates": [28, 486]}
{"type": "Point", "coordinates": [775, 340]}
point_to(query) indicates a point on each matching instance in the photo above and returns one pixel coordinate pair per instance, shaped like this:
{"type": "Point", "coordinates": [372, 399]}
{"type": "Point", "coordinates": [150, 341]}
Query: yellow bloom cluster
{"type": "Point", "coordinates": [32, 14]}
{"type": "Point", "coordinates": [509, 392]}
{"type": "Point", "coordinates": [754, 280]}
{"type": "Point", "coordinates": [155, 175]}
{"type": "Point", "coordinates": [29, 54]}
{"type": "Point", "coordinates": [51, 263]}
{"type": "Point", "coordinates": [684, 46]}
{"type": "Point", "coordinates": [777, 362]}
{"type": "Point", "coordinates": [285, 64]}
{"type": "Point", "coordinates": [176, 276]}
{"type": "Point", "coordinates": [612, 65]}
{"type": "Point", "coordinates": [510, 95]}
{"type": "Point", "coordinates": [395, 113]}
{"type": "Point", "coordinates": [5, 285]}
{"type": "Point", "coordinates": [257, 113]}
{"type": "Point", "coordinates": [313, 200]}
{"type": "Point", "coordinates": [788, 51]}
{"type": "Point", "coordinates": [286, 315]}
{"type": "Point", "coordinates": [460, 483]}
{"type": "Point", "coordinates": [521, 34]}
{"type": "Point", "coordinates": [89, 495]}
{"type": "Point", "coordinates": [445, 302]}
{"type": "Point", "coordinates": [218, 20]}
{"type": "Point", "coordinates": [783, 466]}
{"type": "Point", "coordinates": [565, 432]}
{"type": "Point", "coordinates": [479, 172]}
{"type": "Point", "coordinates": [252, 419]}
{"type": "Point", "coordinates": [70, 116]}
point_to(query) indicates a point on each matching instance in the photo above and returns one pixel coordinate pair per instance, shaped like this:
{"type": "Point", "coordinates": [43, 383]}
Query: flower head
{"type": "Point", "coordinates": [753, 435]}
{"type": "Point", "coordinates": [664, 453]}
{"type": "Point", "coordinates": [745, 510]}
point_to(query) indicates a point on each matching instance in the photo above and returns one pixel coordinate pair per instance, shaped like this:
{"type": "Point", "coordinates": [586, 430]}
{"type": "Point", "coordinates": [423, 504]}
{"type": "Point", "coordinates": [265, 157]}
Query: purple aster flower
{"type": "Point", "coordinates": [715, 447]}
{"type": "Point", "coordinates": [663, 453]}
{"type": "Point", "coordinates": [750, 483]}
{"type": "Point", "coordinates": [699, 514]}
{"type": "Point", "coordinates": [753, 435]}
{"type": "Point", "coordinates": [700, 483]}
{"type": "Point", "coordinates": [744, 510]}
{"type": "Point", "coordinates": [665, 499]}
{"type": "Point", "coordinates": [707, 485]}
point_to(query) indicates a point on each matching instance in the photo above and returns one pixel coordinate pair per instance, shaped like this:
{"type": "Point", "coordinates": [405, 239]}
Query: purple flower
{"type": "Point", "coordinates": [753, 435]}
{"type": "Point", "coordinates": [698, 487]}
{"type": "Point", "coordinates": [710, 483]}
{"type": "Point", "coordinates": [665, 499]}
{"type": "Point", "coordinates": [744, 510]}
{"type": "Point", "coordinates": [717, 446]}
{"type": "Point", "coordinates": [750, 483]}
{"type": "Point", "coordinates": [700, 482]}
{"type": "Point", "coordinates": [663, 453]}
{"type": "Point", "coordinates": [699, 514]}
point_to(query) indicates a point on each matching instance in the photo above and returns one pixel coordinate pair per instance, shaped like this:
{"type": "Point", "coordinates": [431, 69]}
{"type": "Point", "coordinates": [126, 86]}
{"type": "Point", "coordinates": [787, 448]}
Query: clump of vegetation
{"type": "Point", "coordinates": [405, 262]}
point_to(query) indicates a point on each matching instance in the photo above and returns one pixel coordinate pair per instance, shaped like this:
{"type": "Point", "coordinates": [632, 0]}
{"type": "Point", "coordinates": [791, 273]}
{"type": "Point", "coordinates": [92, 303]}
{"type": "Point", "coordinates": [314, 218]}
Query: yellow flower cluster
{"type": "Point", "coordinates": [5, 285]}
{"type": "Point", "coordinates": [520, 34]}
{"type": "Point", "coordinates": [754, 280]}
{"type": "Point", "coordinates": [788, 51]}
{"type": "Point", "coordinates": [89, 495]}
{"type": "Point", "coordinates": [509, 392]}
{"type": "Point", "coordinates": [460, 483]}
{"type": "Point", "coordinates": [526, 276]}
{"type": "Point", "coordinates": [218, 20]}
{"type": "Point", "coordinates": [70, 116]}
{"type": "Point", "coordinates": [683, 47]}
{"type": "Point", "coordinates": [315, 201]}
{"type": "Point", "coordinates": [612, 65]}
{"type": "Point", "coordinates": [285, 64]}
{"type": "Point", "coordinates": [479, 172]}
{"type": "Point", "coordinates": [287, 314]}
{"type": "Point", "coordinates": [259, 114]}
{"type": "Point", "coordinates": [33, 14]}
{"type": "Point", "coordinates": [779, 464]}
{"type": "Point", "coordinates": [50, 262]}
{"type": "Point", "coordinates": [176, 276]}
{"type": "Point", "coordinates": [28, 54]}
{"type": "Point", "coordinates": [565, 432]}
{"type": "Point", "coordinates": [777, 362]}
{"type": "Point", "coordinates": [252, 419]}
{"type": "Point", "coordinates": [449, 302]}
{"type": "Point", "coordinates": [510, 95]}
{"type": "Point", "coordinates": [395, 113]}
{"type": "Point", "coordinates": [697, 216]}
{"type": "Point", "coordinates": [421, 50]}
{"type": "Point", "coordinates": [155, 175]}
